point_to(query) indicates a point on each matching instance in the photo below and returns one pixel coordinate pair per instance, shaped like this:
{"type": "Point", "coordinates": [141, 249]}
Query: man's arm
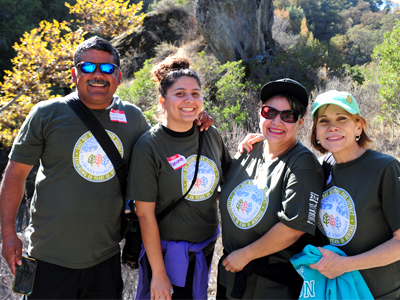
{"type": "Point", "coordinates": [11, 193]}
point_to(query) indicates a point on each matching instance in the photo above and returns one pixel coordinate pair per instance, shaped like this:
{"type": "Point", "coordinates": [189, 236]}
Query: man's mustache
{"type": "Point", "coordinates": [94, 81]}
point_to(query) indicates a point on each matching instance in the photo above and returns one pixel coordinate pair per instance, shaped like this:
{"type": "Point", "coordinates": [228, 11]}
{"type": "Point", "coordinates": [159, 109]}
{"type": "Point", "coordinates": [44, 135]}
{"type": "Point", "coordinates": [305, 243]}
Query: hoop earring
{"type": "Point", "coordinates": [357, 138]}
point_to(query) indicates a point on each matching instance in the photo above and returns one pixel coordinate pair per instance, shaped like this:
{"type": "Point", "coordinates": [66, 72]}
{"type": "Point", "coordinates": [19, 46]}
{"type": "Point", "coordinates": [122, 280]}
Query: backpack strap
{"type": "Point", "coordinates": [327, 164]}
{"type": "Point", "coordinates": [172, 206]}
{"type": "Point", "coordinates": [98, 131]}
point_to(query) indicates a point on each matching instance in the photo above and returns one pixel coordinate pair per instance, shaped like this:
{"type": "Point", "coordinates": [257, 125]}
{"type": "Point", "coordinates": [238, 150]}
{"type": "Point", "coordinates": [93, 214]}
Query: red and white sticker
{"type": "Point", "coordinates": [177, 161]}
{"type": "Point", "coordinates": [117, 116]}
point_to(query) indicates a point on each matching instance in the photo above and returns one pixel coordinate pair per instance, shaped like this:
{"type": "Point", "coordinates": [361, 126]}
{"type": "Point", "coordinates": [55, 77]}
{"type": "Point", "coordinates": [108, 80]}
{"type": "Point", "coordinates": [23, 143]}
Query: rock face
{"type": "Point", "coordinates": [236, 29]}
{"type": "Point", "coordinates": [140, 45]}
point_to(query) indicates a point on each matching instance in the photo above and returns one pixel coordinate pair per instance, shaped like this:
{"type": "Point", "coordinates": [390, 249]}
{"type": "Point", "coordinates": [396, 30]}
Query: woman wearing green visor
{"type": "Point", "coordinates": [360, 207]}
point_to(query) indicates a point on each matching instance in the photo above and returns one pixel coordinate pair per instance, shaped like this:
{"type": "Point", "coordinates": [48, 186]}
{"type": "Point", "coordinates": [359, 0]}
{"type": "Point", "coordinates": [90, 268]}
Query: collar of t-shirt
{"type": "Point", "coordinates": [112, 103]}
{"type": "Point", "coordinates": [178, 134]}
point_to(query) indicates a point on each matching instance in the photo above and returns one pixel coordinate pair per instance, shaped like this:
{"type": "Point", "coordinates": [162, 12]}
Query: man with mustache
{"type": "Point", "coordinates": [75, 212]}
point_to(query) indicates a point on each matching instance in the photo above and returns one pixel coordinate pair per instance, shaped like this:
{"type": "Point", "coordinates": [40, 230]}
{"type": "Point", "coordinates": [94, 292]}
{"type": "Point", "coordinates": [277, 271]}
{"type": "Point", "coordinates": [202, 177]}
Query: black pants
{"type": "Point", "coordinates": [102, 281]}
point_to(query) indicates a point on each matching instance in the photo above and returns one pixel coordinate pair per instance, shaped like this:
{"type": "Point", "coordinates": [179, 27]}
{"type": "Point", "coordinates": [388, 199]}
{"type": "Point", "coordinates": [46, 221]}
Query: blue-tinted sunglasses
{"type": "Point", "coordinates": [88, 67]}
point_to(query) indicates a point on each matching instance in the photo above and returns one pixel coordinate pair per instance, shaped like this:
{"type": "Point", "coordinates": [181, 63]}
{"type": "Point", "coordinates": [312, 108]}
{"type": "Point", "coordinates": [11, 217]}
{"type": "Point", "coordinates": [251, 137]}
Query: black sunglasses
{"type": "Point", "coordinates": [288, 116]}
{"type": "Point", "coordinates": [88, 67]}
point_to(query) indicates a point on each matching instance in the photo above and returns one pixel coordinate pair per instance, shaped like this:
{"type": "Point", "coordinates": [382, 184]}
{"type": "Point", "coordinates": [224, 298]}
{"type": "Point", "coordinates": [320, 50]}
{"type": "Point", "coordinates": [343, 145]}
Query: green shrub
{"type": "Point", "coordinates": [224, 90]}
{"type": "Point", "coordinates": [141, 92]}
{"type": "Point", "coordinates": [388, 58]}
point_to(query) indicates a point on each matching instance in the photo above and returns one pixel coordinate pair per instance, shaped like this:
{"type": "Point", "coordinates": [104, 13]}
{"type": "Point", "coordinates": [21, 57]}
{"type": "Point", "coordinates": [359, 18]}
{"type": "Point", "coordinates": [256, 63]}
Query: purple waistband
{"type": "Point", "coordinates": [176, 260]}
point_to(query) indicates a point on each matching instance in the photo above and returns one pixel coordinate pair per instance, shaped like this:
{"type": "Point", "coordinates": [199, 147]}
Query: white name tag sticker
{"type": "Point", "coordinates": [117, 116]}
{"type": "Point", "coordinates": [177, 161]}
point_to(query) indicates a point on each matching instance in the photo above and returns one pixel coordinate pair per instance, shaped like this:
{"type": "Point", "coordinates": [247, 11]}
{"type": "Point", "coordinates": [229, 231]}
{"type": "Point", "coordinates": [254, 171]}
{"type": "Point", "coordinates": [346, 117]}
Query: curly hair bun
{"type": "Point", "coordinates": [171, 63]}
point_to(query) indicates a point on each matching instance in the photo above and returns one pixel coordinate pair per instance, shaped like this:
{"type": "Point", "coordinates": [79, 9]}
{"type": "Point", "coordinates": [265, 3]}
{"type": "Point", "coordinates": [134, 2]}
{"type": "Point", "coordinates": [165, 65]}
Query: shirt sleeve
{"type": "Point", "coordinates": [390, 194]}
{"type": "Point", "coordinates": [142, 178]}
{"type": "Point", "coordinates": [29, 143]}
{"type": "Point", "coordinates": [302, 194]}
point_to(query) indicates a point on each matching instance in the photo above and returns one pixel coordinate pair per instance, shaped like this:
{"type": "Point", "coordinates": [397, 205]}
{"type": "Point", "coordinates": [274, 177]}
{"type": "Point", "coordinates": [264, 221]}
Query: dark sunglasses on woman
{"type": "Point", "coordinates": [288, 116]}
{"type": "Point", "coordinates": [88, 67]}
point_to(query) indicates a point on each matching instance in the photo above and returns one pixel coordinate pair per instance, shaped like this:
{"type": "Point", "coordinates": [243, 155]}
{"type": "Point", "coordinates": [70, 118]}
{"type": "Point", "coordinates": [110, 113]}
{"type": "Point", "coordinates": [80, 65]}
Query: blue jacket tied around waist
{"type": "Point", "coordinates": [350, 285]}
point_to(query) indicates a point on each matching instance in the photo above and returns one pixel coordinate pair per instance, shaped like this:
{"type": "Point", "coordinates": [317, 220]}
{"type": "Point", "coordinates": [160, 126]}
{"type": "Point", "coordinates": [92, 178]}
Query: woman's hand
{"type": "Point", "coordinates": [236, 261]}
{"type": "Point", "coordinates": [249, 141]}
{"type": "Point", "coordinates": [331, 265]}
{"type": "Point", "coordinates": [160, 287]}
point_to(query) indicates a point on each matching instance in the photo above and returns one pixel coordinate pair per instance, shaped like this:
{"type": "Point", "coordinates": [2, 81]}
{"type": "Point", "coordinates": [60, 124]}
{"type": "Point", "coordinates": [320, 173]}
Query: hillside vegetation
{"type": "Point", "coordinates": [324, 44]}
{"type": "Point", "coordinates": [343, 45]}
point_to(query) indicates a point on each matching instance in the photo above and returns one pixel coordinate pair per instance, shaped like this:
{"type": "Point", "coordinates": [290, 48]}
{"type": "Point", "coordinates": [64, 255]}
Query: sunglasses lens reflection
{"type": "Point", "coordinates": [287, 116]}
{"type": "Point", "coordinates": [107, 68]}
{"type": "Point", "coordinates": [88, 67]}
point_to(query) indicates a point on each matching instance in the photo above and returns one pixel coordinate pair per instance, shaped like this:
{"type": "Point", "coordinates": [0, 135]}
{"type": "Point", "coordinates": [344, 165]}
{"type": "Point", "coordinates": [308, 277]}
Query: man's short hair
{"type": "Point", "coordinates": [96, 43]}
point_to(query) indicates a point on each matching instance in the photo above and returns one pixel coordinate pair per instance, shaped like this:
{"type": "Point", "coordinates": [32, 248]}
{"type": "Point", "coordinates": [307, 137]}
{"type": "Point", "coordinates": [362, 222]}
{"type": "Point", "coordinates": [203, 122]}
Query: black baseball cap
{"type": "Point", "coordinates": [284, 86]}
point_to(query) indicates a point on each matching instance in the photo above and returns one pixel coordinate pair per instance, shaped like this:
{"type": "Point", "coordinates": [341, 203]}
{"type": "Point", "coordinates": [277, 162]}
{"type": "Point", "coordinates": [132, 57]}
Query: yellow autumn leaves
{"type": "Point", "coordinates": [44, 56]}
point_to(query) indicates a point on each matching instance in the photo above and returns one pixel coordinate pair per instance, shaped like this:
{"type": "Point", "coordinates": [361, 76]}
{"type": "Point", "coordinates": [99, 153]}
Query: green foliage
{"type": "Point", "coordinates": [323, 17]}
{"type": "Point", "coordinates": [296, 16]}
{"type": "Point", "coordinates": [356, 73]}
{"type": "Point", "coordinates": [224, 90]}
{"type": "Point", "coordinates": [231, 91]}
{"type": "Point", "coordinates": [388, 58]}
{"type": "Point", "coordinates": [302, 62]}
{"type": "Point", "coordinates": [366, 32]}
{"type": "Point", "coordinates": [141, 92]}
{"type": "Point", "coordinates": [352, 27]}
{"type": "Point", "coordinates": [182, 2]}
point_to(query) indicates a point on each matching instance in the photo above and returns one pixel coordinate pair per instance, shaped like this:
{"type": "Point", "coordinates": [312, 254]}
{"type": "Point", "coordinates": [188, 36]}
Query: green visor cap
{"type": "Point", "coordinates": [342, 99]}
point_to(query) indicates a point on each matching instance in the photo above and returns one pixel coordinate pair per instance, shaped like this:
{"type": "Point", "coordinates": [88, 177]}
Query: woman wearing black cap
{"type": "Point", "coordinates": [269, 201]}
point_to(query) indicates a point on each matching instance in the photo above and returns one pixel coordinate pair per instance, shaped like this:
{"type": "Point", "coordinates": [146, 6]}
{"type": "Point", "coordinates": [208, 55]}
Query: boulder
{"type": "Point", "coordinates": [140, 45]}
{"type": "Point", "coordinates": [236, 29]}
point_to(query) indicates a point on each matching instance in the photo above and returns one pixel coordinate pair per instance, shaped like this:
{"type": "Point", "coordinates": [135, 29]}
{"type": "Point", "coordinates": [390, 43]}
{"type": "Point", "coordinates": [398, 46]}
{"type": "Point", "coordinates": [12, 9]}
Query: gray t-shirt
{"type": "Point", "coordinates": [75, 211]}
{"type": "Point", "coordinates": [161, 171]}
{"type": "Point", "coordinates": [257, 195]}
{"type": "Point", "coordinates": [360, 210]}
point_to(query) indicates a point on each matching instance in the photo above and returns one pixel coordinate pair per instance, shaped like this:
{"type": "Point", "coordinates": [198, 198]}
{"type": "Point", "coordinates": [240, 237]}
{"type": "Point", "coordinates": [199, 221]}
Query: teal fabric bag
{"type": "Point", "coordinates": [350, 285]}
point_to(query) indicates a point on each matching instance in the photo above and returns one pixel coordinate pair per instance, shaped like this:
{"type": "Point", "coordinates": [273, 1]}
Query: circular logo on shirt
{"type": "Point", "coordinates": [207, 178]}
{"type": "Point", "coordinates": [90, 160]}
{"type": "Point", "coordinates": [337, 217]}
{"type": "Point", "coordinates": [248, 203]}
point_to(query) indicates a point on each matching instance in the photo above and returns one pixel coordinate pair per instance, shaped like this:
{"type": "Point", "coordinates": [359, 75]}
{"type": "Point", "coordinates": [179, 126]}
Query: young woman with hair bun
{"type": "Point", "coordinates": [179, 249]}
